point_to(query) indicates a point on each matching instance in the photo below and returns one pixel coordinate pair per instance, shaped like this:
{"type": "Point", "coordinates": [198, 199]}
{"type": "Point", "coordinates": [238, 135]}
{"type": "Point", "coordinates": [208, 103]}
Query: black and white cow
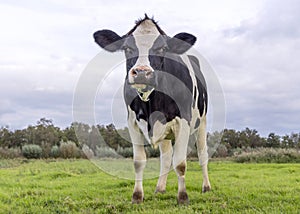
{"type": "Point", "coordinates": [166, 98]}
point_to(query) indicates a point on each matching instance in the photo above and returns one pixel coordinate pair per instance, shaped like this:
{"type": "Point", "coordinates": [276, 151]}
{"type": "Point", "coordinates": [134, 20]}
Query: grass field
{"type": "Point", "coordinates": [78, 186]}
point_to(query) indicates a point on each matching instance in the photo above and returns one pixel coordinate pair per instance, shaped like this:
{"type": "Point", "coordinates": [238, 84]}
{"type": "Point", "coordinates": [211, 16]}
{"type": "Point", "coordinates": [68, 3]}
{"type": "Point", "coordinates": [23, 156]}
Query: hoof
{"type": "Point", "coordinates": [137, 198]}
{"type": "Point", "coordinates": [183, 198]}
{"type": "Point", "coordinates": [162, 191]}
{"type": "Point", "coordinates": [206, 189]}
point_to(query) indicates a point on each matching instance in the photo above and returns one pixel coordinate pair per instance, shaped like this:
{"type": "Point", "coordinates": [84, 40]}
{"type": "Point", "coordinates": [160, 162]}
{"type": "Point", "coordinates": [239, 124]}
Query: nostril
{"type": "Point", "coordinates": [133, 73]}
{"type": "Point", "coordinates": [149, 74]}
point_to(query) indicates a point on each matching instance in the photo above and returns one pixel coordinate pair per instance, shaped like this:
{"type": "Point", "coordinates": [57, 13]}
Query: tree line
{"type": "Point", "coordinates": [45, 140]}
{"type": "Point", "coordinates": [232, 141]}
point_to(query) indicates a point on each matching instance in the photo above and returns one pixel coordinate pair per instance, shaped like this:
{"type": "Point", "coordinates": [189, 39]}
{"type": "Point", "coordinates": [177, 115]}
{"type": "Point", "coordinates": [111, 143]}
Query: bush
{"type": "Point", "coordinates": [269, 155]}
{"type": "Point", "coordinates": [87, 152]}
{"type": "Point", "coordinates": [32, 151]}
{"type": "Point", "coordinates": [68, 150]}
{"type": "Point", "coordinates": [106, 152]}
{"type": "Point", "coordinates": [54, 153]}
{"type": "Point", "coordinates": [152, 152]}
{"type": "Point", "coordinates": [192, 152]}
{"type": "Point", "coordinates": [221, 151]}
{"type": "Point", "coordinates": [126, 152]}
{"type": "Point", "coordinates": [11, 153]}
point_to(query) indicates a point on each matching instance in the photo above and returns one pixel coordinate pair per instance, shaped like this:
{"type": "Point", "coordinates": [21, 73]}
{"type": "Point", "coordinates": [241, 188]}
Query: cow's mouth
{"type": "Point", "coordinates": [144, 91]}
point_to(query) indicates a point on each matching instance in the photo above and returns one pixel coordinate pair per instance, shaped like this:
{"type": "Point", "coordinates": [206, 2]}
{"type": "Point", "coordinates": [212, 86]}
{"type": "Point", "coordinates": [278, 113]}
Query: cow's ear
{"type": "Point", "coordinates": [108, 40]}
{"type": "Point", "coordinates": [181, 42]}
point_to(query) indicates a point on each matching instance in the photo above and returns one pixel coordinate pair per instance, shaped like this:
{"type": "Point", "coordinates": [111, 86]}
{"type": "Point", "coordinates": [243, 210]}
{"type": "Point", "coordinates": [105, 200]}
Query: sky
{"type": "Point", "coordinates": [252, 45]}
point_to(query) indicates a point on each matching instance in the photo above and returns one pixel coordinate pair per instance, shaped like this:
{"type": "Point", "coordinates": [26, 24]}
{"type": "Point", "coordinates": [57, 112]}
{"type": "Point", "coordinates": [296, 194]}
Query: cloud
{"type": "Point", "coordinates": [35, 105]}
{"type": "Point", "coordinates": [38, 67]}
{"type": "Point", "coordinates": [253, 46]}
{"type": "Point", "coordinates": [257, 63]}
{"type": "Point", "coordinates": [278, 20]}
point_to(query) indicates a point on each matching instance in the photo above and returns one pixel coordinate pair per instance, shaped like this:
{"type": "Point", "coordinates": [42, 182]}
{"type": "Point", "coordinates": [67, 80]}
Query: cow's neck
{"type": "Point", "coordinates": [144, 96]}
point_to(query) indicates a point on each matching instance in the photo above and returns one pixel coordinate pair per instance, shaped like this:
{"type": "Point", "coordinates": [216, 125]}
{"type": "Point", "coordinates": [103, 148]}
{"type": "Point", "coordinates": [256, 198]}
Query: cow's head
{"type": "Point", "coordinates": [145, 47]}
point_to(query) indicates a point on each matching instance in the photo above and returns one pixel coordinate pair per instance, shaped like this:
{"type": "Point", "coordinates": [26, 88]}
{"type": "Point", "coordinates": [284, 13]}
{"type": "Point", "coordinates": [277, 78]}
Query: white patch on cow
{"type": "Point", "coordinates": [134, 129]}
{"type": "Point", "coordinates": [139, 154]}
{"type": "Point", "coordinates": [195, 116]}
{"type": "Point", "coordinates": [143, 125]}
{"type": "Point", "coordinates": [166, 152]}
{"type": "Point", "coordinates": [203, 153]}
{"type": "Point", "coordinates": [187, 62]}
{"type": "Point", "coordinates": [195, 111]}
{"type": "Point", "coordinates": [160, 131]}
{"type": "Point", "coordinates": [145, 35]}
{"type": "Point", "coordinates": [201, 142]}
{"type": "Point", "coordinates": [181, 130]}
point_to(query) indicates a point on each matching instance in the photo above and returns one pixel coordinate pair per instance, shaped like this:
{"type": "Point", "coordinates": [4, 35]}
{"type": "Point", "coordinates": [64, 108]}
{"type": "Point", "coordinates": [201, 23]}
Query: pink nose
{"type": "Point", "coordinates": [141, 71]}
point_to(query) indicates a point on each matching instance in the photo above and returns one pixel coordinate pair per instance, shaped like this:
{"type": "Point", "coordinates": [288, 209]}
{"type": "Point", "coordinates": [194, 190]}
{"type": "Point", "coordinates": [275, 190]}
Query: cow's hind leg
{"type": "Point", "coordinates": [203, 154]}
{"type": "Point", "coordinates": [179, 159]}
{"type": "Point", "coordinates": [166, 152]}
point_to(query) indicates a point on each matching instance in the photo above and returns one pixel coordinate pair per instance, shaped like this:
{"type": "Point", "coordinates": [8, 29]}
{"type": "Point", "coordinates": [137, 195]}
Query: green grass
{"type": "Point", "coordinates": [78, 186]}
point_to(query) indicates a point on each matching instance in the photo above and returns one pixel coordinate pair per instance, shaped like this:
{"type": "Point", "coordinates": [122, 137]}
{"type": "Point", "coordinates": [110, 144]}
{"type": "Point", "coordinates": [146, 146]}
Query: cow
{"type": "Point", "coordinates": [166, 98]}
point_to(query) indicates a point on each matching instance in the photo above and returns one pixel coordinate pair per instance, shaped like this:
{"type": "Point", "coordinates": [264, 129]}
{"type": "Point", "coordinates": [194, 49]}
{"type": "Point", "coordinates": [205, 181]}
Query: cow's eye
{"type": "Point", "coordinates": [161, 50]}
{"type": "Point", "coordinates": [128, 49]}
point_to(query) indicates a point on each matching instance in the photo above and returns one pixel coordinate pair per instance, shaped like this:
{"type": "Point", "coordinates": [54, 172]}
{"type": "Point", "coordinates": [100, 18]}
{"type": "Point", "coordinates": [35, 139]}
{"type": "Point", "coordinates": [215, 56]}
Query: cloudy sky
{"type": "Point", "coordinates": [253, 46]}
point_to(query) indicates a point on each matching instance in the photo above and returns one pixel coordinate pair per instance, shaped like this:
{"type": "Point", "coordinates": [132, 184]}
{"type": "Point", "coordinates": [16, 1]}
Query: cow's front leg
{"type": "Point", "coordinates": [179, 159]}
{"type": "Point", "coordinates": [166, 152]}
{"type": "Point", "coordinates": [139, 157]}
{"type": "Point", "coordinates": [139, 165]}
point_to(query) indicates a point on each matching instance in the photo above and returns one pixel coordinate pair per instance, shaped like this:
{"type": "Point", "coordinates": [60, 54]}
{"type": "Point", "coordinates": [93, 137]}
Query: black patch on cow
{"type": "Point", "coordinates": [157, 53]}
{"type": "Point", "coordinates": [175, 66]}
{"type": "Point", "coordinates": [181, 42]}
{"type": "Point", "coordinates": [168, 100]}
{"type": "Point", "coordinates": [161, 59]}
{"type": "Point", "coordinates": [158, 102]}
{"type": "Point", "coordinates": [108, 40]}
{"type": "Point", "coordinates": [201, 85]}
{"type": "Point", "coordinates": [197, 123]}
{"type": "Point", "coordinates": [131, 52]}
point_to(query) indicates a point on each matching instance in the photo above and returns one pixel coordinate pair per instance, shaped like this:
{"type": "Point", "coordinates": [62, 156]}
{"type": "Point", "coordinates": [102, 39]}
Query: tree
{"type": "Point", "coordinates": [19, 139]}
{"type": "Point", "coordinates": [249, 138]}
{"type": "Point", "coordinates": [287, 142]}
{"type": "Point", "coordinates": [295, 138]}
{"type": "Point", "coordinates": [82, 133]}
{"type": "Point", "coordinates": [45, 122]}
{"type": "Point", "coordinates": [124, 138]}
{"type": "Point", "coordinates": [111, 136]}
{"type": "Point", "coordinates": [214, 140]}
{"type": "Point", "coordinates": [70, 134]}
{"type": "Point", "coordinates": [46, 135]}
{"type": "Point", "coordinates": [95, 140]}
{"type": "Point", "coordinates": [230, 138]}
{"type": "Point", "coordinates": [5, 137]}
{"type": "Point", "coordinates": [273, 140]}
